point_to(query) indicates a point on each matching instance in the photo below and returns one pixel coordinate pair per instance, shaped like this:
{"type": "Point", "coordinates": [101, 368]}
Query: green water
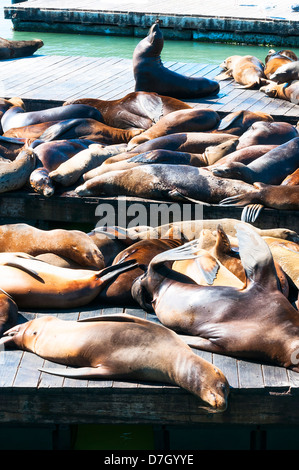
{"type": "Point", "coordinates": [112, 46]}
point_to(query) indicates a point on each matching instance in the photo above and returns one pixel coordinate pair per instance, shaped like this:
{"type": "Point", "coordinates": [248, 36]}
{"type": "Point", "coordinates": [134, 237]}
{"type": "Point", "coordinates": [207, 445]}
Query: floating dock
{"type": "Point", "coordinates": [232, 21]}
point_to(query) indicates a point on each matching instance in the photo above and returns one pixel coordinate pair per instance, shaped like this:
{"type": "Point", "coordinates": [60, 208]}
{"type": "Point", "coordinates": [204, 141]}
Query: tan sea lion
{"type": "Point", "coordinates": [151, 75]}
{"type": "Point", "coordinates": [14, 175]}
{"type": "Point", "coordinates": [137, 109]}
{"type": "Point", "coordinates": [256, 322]}
{"type": "Point", "coordinates": [275, 60]}
{"type": "Point", "coordinates": [247, 71]}
{"type": "Point", "coordinates": [73, 244]}
{"type": "Point", "coordinates": [9, 49]}
{"type": "Point", "coordinates": [138, 350]}
{"type": "Point", "coordinates": [183, 120]}
{"type": "Point", "coordinates": [51, 286]}
{"type": "Point", "coordinates": [286, 73]}
{"type": "Point", "coordinates": [283, 91]}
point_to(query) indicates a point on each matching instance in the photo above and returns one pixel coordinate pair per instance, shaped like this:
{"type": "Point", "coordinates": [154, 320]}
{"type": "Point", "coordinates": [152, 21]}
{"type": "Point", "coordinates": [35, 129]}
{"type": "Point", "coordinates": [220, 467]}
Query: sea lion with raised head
{"type": "Point", "coordinates": [121, 347]}
{"type": "Point", "coordinates": [10, 49]}
{"type": "Point", "coordinates": [151, 75]}
{"type": "Point", "coordinates": [247, 71]}
{"type": "Point", "coordinates": [137, 109]}
{"type": "Point", "coordinates": [256, 322]}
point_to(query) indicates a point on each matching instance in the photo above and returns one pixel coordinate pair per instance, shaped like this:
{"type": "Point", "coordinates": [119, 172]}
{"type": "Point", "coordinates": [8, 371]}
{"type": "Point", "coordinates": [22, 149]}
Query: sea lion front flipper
{"type": "Point", "coordinates": [224, 75]}
{"type": "Point", "coordinates": [228, 120]}
{"type": "Point", "coordinates": [256, 257]}
{"type": "Point", "coordinates": [81, 372]}
{"type": "Point", "coordinates": [208, 266]}
{"type": "Point", "coordinates": [203, 344]}
{"type": "Point", "coordinates": [121, 317]}
{"type": "Point", "coordinates": [56, 130]}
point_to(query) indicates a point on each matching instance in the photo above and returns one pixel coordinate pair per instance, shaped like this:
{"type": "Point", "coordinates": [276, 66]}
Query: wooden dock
{"type": "Point", "coordinates": [258, 22]}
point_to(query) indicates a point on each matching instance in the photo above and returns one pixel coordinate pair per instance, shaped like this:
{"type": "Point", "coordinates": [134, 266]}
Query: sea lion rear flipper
{"type": "Point", "coordinates": [251, 212]}
{"type": "Point", "coordinates": [256, 257]}
{"type": "Point", "coordinates": [187, 251]}
{"type": "Point", "coordinates": [228, 120]}
{"type": "Point", "coordinates": [106, 274]}
{"type": "Point", "coordinates": [81, 372]}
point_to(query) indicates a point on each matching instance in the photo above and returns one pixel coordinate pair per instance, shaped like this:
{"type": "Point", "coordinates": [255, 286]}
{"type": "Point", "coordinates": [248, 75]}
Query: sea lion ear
{"type": "Point", "coordinates": [256, 257]}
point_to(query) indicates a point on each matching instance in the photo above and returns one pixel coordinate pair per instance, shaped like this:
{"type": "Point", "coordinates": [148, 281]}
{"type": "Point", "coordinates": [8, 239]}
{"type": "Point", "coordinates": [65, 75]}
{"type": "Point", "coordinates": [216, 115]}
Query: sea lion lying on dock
{"type": "Point", "coordinates": [283, 91]}
{"type": "Point", "coordinates": [151, 75]}
{"type": "Point", "coordinates": [248, 71]}
{"type": "Point", "coordinates": [275, 60]}
{"type": "Point", "coordinates": [286, 73]}
{"type": "Point", "coordinates": [256, 322]}
{"type": "Point", "coordinates": [137, 349]}
{"type": "Point", "coordinates": [15, 174]}
{"type": "Point", "coordinates": [9, 49]}
{"type": "Point", "coordinates": [137, 109]}
{"type": "Point", "coordinates": [238, 122]}
{"type": "Point", "coordinates": [8, 312]}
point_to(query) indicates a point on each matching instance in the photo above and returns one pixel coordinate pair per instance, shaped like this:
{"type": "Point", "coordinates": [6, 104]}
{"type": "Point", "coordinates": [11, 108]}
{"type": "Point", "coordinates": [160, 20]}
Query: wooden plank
{"type": "Point", "coordinates": [250, 375]}
{"type": "Point", "coordinates": [228, 366]}
{"type": "Point", "coordinates": [275, 377]}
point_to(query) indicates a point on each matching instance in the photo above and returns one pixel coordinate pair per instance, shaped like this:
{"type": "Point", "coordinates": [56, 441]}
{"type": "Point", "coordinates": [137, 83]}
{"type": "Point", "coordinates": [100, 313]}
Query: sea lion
{"type": "Point", "coordinates": [238, 122]}
{"type": "Point", "coordinates": [274, 61]}
{"type": "Point", "coordinates": [119, 292]}
{"type": "Point", "coordinates": [286, 253]}
{"type": "Point", "coordinates": [283, 91]}
{"type": "Point", "coordinates": [75, 129]}
{"type": "Point", "coordinates": [256, 322]}
{"type": "Point", "coordinates": [270, 168]}
{"type": "Point", "coordinates": [183, 120]}
{"type": "Point", "coordinates": [16, 116]}
{"type": "Point", "coordinates": [14, 175]}
{"type": "Point", "coordinates": [138, 350]}
{"type": "Point", "coordinates": [8, 312]}
{"type": "Point", "coordinates": [284, 52]}
{"type": "Point", "coordinates": [73, 244]}
{"type": "Point", "coordinates": [151, 75]}
{"type": "Point", "coordinates": [292, 179]}
{"type": "Point", "coordinates": [280, 197]}
{"type": "Point", "coordinates": [248, 71]}
{"type": "Point", "coordinates": [267, 133]}
{"type": "Point", "coordinates": [137, 109]}
{"type": "Point", "coordinates": [9, 49]}
{"type": "Point", "coordinates": [41, 183]}
{"type": "Point", "coordinates": [51, 286]}
{"type": "Point", "coordinates": [244, 155]}
{"type": "Point", "coordinates": [5, 104]}
{"type": "Point", "coordinates": [11, 147]}
{"type": "Point", "coordinates": [166, 182]}
{"type": "Point", "coordinates": [68, 172]}
{"type": "Point", "coordinates": [286, 73]}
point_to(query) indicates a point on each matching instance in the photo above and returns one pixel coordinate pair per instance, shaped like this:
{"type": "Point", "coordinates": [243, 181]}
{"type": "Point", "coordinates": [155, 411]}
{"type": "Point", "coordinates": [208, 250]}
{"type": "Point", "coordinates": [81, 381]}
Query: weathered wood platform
{"type": "Point", "coordinates": [257, 22]}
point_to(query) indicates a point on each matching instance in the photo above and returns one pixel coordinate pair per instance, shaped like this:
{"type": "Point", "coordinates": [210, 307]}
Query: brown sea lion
{"type": "Point", "coordinates": [121, 347]}
{"type": "Point", "coordinates": [5, 104]}
{"type": "Point", "coordinates": [247, 71]}
{"type": "Point", "coordinates": [286, 253]}
{"type": "Point", "coordinates": [292, 179]}
{"type": "Point", "coordinates": [270, 168]}
{"type": "Point", "coordinates": [8, 312]}
{"type": "Point", "coordinates": [16, 116]}
{"type": "Point", "coordinates": [119, 292]}
{"type": "Point", "coordinates": [151, 75]}
{"type": "Point", "coordinates": [256, 322]}
{"type": "Point", "coordinates": [183, 120]}
{"type": "Point", "coordinates": [171, 182]}
{"type": "Point", "coordinates": [14, 175]}
{"type": "Point", "coordinates": [10, 147]}
{"type": "Point", "coordinates": [52, 286]}
{"type": "Point", "coordinates": [75, 129]}
{"type": "Point", "coordinates": [238, 122]}
{"type": "Point", "coordinates": [137, 109]}
{"type": "Point", "coordinates": [284, 52]}
{"type": "Point", "coordinates": [283, 91]}
{"type": "Point", "coordinates": [73, 244]}
{"type": "Point", "coordinates": [267, 133]}
{"type": "Point", "coordinates": [281, 197]}
{"type": "Point", "coordinates": [9, 49]}
{"type": "Point", "coordinates": [244, 155]}
{"type": "Point", "coordinates": [286, 73]}
{"type": "Point", "coordinates": [275, 60]}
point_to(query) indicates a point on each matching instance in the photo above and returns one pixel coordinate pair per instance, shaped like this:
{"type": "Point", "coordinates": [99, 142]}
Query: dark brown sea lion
{"type": "Point", "coordinates": [283, 91]}
{"type": "Point", "coordinates": [267, 133]}
{"type": "Point", "coordinates": [119, 292]}
{"type": "Point", "coordinates": [238, 122]}
{"type": "Point", "coordinates": [183, 120]}
{"type": "Point", "coordinates": [257, 322]}
{"type": "Point", "coordinates": [137, 109]}
{"type": "Point", "coordinates": [151, 75]}
{"type": "Point", "coordinates": [274, 61]}
{"type": "Point", "coordinates": [244, 155]}
{"type": "Point", "coordinates": [171, 182]}
{"type": "Point", "coordinates": [52, 286]}
{"type": "Point", "coordinates": [18, 117]}
{"type": "Point", "coordinates": [270, 168]}
{"type": "Point", "coordinates": [73, 244]}
{"type": "Point", "coordinates": [8, 312]}
{"type": "Point", "coordinates": [284, 52]}
{"type": "Point", "coordinates": [10, 49]}
{"type": "Point", "coordinates": [10, 147]}
{"type": "Point", "coordinates": [89, 129]}
{"type": "Point", "coordinates": [246, 70]}
{"type": "Point", "coordinates": [121, 347]}
{"type": "Point", "coordinates": [286, 73]}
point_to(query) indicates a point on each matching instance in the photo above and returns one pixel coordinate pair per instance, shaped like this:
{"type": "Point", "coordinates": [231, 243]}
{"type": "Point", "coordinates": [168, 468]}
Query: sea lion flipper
{"type": "Point", "coordinates": [56, 130]}
{"type": "Point", "coordinates": [228, 120]}
{"type": "Point", "coordinates": [251, 212]}
{"type": "Point", "coordinates": [256, 256]}
{"type": "Point", "coordinates": [24, 268]}
{"type": "Point", "coordinates": [208, 266]}
{"type": "Point", "coordinates": [113, 317]}
{"type": "Point", "coordinates": [81, 372]}
{"type": "Point", "coordinates": [197, 342]}
{"type": "Point", "coordinates": [187, 251]}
